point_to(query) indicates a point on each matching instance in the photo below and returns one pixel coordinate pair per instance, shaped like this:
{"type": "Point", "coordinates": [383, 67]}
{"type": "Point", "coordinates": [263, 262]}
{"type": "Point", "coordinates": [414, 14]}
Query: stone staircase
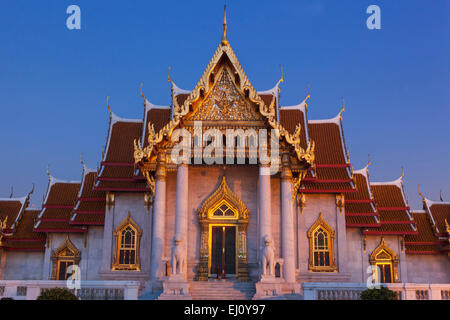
{"type": "Point", "coordinates": [222, 290]}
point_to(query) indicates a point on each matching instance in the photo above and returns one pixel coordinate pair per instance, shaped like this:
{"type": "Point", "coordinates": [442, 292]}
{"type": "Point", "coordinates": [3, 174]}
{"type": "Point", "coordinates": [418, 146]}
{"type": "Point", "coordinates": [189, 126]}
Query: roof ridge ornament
{"type": "Point", "coordinates": [48, 172]}
{"type": "Point", "coordinates": [342, 109]}
{"type": "Point", "coordinates": [108, 107]}
{"type": "Point", "coordinates": [224, 37]}
{"type": "Point", "coordinates": [12, 192]}
{"type": "Point", "coordinates": [440, 196]}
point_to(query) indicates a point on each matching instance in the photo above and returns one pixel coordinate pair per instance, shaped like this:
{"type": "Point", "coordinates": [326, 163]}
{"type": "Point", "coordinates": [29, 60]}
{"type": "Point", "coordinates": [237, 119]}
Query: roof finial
{"type": "Point", "coordinates": [282, 74]}
{"type": "Point", "coordinates": [32, 190]}
{"type": "Point", "coordinates": [440, 196]}
{"type": "Point", "coordinates": [48, 172]}
{"type": "Point", "coordinates": [142, 93]}
{"type": "Point", "coordinates": [224, 37]}
{"type": "Point", "coordinates": [418, 191]}
{"type": "Point", "coordinates": [168, 75]}
{"type": "Point", "coordinates": [369, 162]}
{"type": "Point", "coordinates": [12, 192]}
{"type": "Point", "coordinates": [108, 107]}
{"type": "Point", "coordinates": [82, 162]}
{"type": "Point", "coordinates": [403, 174]}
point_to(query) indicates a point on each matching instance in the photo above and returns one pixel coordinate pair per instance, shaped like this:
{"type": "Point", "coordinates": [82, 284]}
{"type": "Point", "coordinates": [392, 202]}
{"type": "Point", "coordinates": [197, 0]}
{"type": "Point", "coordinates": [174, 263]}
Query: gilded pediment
{"type": "Point", "coordinates": [225, 102]}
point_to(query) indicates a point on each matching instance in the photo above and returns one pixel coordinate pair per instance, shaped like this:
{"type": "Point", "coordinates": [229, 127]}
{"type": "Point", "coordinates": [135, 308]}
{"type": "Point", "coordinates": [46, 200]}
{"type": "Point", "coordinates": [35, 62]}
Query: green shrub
{"type": "Point", "coordinates": [57, 294]}
{"type": "Point", "coordinates": [378, 294]}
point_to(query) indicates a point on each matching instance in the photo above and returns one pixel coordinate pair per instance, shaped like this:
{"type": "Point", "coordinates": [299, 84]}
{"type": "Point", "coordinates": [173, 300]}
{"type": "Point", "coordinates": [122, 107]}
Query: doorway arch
{"type": "Point", "coordinates": [224, 215]}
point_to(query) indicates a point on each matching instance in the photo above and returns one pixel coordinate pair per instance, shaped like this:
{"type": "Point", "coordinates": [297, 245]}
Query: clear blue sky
{"type": "Point", "coordinates": [54, 81]}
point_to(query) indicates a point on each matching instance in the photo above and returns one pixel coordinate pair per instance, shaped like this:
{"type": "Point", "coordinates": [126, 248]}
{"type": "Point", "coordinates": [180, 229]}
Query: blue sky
{"type": "Point", "coordinates": [54, 81]}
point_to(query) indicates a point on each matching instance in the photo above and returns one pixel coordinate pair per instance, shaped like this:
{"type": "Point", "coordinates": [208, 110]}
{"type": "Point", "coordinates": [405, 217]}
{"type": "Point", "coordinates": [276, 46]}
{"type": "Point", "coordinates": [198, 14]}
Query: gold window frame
{"type": "Point", "coordinates": [383, 255]}
{"type": "Point", "coordinates": [331, 235]}
{"type": "Point", "coordinates": [60, 255]}
{"type": "Point", "coordinates": [116, 265]}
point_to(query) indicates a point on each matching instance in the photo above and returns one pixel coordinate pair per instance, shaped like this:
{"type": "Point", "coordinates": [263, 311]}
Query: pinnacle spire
{"type": "Point", "coordinates": [224, 37]}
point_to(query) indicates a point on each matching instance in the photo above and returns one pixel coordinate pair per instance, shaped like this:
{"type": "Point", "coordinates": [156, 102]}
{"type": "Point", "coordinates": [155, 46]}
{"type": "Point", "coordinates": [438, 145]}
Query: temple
{"type": "Point", "coordinates": [226, 194]}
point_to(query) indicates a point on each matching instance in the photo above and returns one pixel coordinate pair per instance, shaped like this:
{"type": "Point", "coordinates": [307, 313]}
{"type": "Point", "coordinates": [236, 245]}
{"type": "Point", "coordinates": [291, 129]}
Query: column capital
{"type": "Point", "coordinates": [161, 167]}
{"type": "Point", "coordinates": [286, 173]}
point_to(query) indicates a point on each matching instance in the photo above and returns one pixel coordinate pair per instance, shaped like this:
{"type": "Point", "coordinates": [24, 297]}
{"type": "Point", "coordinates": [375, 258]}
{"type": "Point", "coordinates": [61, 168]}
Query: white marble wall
{"type": "Point", "coordinates": [134, 204]}
{"type": "Point", "coordinates": [23, 265]}
{"type": "Point", "coordinates": [428, 268]}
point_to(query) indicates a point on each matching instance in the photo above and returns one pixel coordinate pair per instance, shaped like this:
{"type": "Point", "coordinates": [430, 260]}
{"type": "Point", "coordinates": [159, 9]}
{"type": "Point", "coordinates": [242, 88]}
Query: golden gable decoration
{"type": "Point", "coordinates": [225, 103]}
{"type": "Point", "coordinates": [223, 193]}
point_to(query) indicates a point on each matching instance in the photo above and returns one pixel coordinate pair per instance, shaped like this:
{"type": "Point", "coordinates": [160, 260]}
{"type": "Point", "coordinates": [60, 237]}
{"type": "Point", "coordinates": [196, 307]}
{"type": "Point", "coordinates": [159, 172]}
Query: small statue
{"type": "Point", "coordinates": [178, 257]}
{"type": "Point", "coordinates": [268, 257]}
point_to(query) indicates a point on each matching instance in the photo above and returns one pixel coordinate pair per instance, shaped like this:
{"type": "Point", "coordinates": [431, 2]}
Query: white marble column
{"type": "Point", "coordinates": [287, 221]}
{"type": "Point", "coordinates": [181, 207]}
{"type": "Point", "coordinates": [264, 195]}
{"type": "Point", "coordinates": [159, 217]}
{"type": "Point", "coordinates": [108, 238]}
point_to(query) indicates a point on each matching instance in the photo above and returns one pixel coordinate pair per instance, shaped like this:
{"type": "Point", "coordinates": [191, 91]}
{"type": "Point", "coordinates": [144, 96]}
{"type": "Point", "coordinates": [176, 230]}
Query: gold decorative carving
{"type": "Point", "coordinates": [340, 202]}
{"type": "Point", "coordinates": [225, 103]}
{"type": "Point", "coordinates": [207, 219]}
{"type": "Point", "coordinates": [383, 255]}
{"type": "Point", "coordinates": [301, 202]}
{"type": "Point", "coordinates": [224, 59]}
{"type": "Point", "coordinates": [223, 193]}
{"type": "Point", "coordinates": [296, 187]}
{"type": "Point", "coordinates": [314, 247]}
{"type": "Point", "coordinates": [135, 245]}
{"type": "Point", "coordinates": [66, 252]}
{"type": "Point", "coordinates": [110, 200]}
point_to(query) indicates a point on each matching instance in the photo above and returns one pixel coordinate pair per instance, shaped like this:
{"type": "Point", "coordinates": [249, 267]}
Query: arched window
{"type": "Point", "coordinates": [63, 257]}
{"type": "Point", "coordinates": [386, 262]}
{"type": "Point", "coordinates": [127, 236]}
{"type": "Point", "coordinates": [321, 243]}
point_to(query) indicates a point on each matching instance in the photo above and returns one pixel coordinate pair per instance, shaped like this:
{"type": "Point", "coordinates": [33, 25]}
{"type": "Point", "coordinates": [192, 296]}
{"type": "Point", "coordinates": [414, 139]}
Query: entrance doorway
{"type": "Point", "coordinates": [223, 251]}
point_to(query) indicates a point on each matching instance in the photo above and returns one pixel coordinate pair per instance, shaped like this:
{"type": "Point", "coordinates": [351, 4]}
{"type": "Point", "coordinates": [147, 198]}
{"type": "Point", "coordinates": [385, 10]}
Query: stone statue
{"type": "Point", "coordinates": [268, 257]}
{"type": "Point", "coordinates": [178, 257]}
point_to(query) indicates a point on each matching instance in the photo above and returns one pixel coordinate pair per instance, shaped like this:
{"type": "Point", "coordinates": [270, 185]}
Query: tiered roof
{"type": "Point", "coordinates": [10, 212]}
{"type": "Point", "coordinates": [90, 206]}
{"type": "Point", "coordinates": [360, 210]}
{"type": "Point", "coordinates": [425, 241]}
{"type": "Point", "coordinates": [58, 206]}
{"type": "Point", "coordinates": [117, 171]}
{"type": "Point", "coordinates": [332, 173]}
{"type": "Point", "coordinates": [393, 209]}
{"type": "Point", "coordinates": [23, 238]}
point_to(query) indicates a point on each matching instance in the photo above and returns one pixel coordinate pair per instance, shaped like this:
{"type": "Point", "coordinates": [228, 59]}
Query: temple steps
{"type": "Point", "coordinates": [221, 290]}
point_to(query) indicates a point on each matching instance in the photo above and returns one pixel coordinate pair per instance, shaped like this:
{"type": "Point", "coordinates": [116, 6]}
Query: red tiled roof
{"type": "Point", "coordinates": [332, 171]}
{"type": "Point", "coordinates": [24, 239]}
{"type": "Point", "coordinates": [117, 171]}
{"type": "Point", "coordinates": [90, 207]}
{"type": "Point", "coordinates": [392, 210]}
{"type": "Point", "coordinates": [426, 240]}
{"type": "Point", "coordinates": [159, 118]}
{"type": "Point", "coordinates": [289, 119]}
{"type": "Point", "coordinates": [360, 210]}
{"type": "Point", "coordinates": [58, 206]}
{"type": "Point", "coordinates": [440, 212]}
{"type": "Point", "coordinates": [10, 208]}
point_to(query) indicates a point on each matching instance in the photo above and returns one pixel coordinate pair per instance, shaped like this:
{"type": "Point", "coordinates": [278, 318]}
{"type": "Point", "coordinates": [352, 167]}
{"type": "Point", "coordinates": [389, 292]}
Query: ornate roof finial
{"type": "Point", "coordinates": [32, 190]}
{"type": "Point", "coordinates": [12, 192]}
{"type": "Point", "coordinates": [224, 37]}
{"type": "Point", "coordinates": [108, 107]}
{"type": "Point", "coordinates": [282, 74]}
{"type": "Point", "coordinates": [369, 162]}
{"type": "Point", "coordinates": [440, 196]}
{"type": "Point", "coordinates": [403, 174]}
{"type": "Point", "coordinates": [48, 172]}
{"type": "Point", "coordinates": [82, 162]}
{"type": "Point", "coordinates": [418, 191]}
{"type": "Point", "coordinates": [343, 108]}
{"type": "Point", "coordinates": [168, 75]}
